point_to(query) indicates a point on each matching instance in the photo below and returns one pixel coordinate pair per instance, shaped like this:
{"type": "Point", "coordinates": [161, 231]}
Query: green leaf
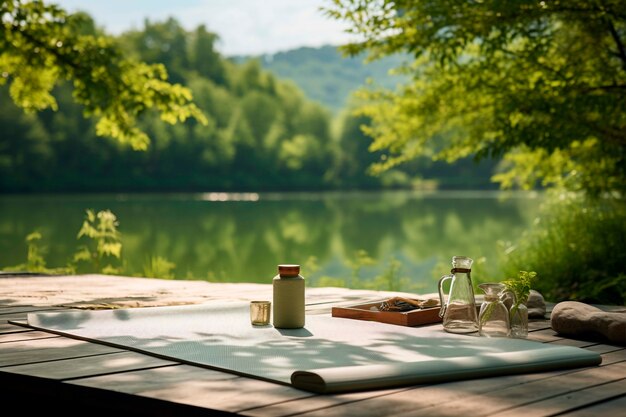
{"type": "Point", "coordinates": [41, 45]}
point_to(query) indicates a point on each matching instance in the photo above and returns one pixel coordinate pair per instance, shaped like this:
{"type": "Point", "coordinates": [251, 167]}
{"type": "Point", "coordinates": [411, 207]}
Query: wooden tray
{"type": "Point", "coordinates": [401, 318]}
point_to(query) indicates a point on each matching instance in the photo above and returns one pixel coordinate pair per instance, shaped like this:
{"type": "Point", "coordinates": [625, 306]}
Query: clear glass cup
{"type": "Point", "coordinates": [260, 313]}
{"type": "Point", "coordinates": [493, 319]}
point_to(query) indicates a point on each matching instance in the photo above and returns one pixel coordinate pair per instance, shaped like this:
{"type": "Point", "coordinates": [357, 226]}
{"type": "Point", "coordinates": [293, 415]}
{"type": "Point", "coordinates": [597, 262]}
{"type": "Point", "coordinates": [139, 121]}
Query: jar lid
{"type": "Point", "coordinates": [290, 270]}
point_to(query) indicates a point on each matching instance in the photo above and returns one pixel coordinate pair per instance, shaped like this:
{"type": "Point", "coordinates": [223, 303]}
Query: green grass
{"type": "Point", "coordinates": [577, 247]}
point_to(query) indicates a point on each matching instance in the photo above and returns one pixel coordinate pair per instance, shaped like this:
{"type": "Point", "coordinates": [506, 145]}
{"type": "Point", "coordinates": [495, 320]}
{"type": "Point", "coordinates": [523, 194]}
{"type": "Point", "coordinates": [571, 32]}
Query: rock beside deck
{"type": "Point", "coordinates": [572, 318]}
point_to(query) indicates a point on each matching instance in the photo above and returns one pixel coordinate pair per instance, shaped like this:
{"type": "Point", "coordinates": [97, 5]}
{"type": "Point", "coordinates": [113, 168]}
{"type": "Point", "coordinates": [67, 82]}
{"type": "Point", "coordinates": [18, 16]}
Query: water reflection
{"type": "Point", "coordinates": [242, 239]}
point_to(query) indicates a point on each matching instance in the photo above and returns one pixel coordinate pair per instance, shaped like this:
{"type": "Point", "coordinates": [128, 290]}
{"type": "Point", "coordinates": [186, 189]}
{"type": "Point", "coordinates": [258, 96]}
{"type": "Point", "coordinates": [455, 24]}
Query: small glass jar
{"type": "Point", "coordinates": [519, 321]}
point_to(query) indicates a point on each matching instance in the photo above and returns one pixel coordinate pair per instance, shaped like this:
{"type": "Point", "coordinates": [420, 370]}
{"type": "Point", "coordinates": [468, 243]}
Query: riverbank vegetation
{"type": "Point", "coordinates": [578, 244]}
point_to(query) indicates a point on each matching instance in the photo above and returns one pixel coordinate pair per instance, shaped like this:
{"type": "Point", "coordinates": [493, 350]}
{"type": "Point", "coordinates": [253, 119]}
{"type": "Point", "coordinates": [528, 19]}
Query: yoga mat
{"type": "Point", "coordinates": [329, 354]}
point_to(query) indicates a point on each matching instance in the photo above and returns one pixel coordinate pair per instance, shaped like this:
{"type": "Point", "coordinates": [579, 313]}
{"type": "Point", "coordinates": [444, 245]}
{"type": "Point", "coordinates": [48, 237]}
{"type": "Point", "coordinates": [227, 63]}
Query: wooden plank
{"type": "Point", "coordinates": [492, 402]}
{"type": "Point", "coordinates": [43, 350]}
{"type": "Point", "coordinates": [615, 356]}
{"type": "Point", "coordinates": [13, 317]}
{"type": "Point", "coordinates": [538, 324]}
{"type": "Point", "coordinates": [602, 348]}
{"type": "Point", "coordinates": [73, 368]}
{"type": "Point", "coordinates": [27, 335]}
{"type": "Point", "coordinates": [8, 304]}
{"type": "Point", "coordinates": [333, 404]}
{"type": "Point", "coordinates": [18, 314]}
{"type": "Point", "coordinates": [545, 335]}
{"type": "Point", "coordinates": [574, 343]}
{"type": "Point", "coordinates": [617, 309]}
{"type": "Point", "coordinates": [614, 407]}
{"type": "Point", "coordinates": [25, 309]}
{"type": "Point", "coordinates": [11, 328]}
{"type": "Point", "coordinates": [569, 401]}
{"type": "Point", "coordinates": [196, 386]}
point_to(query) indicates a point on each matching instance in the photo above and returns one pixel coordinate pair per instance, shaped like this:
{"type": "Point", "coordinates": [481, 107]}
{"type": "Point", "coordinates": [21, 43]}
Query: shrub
{"type": "Point", "coordinates": [576, 245]}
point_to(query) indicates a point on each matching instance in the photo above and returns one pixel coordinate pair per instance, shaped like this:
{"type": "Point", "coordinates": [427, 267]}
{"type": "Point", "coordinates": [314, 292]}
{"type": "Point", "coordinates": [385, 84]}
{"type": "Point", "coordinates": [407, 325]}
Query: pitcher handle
{"type": "Point", "coordinates": [513, 303]}
{"type": "Point", "coordinates": [508, 292]}
{"type": "Point", "coordinates": [442, 310]}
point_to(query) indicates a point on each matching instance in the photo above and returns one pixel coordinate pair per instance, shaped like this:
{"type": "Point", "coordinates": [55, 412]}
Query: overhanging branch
{"type": "Point", "coordinates": [621, 50]}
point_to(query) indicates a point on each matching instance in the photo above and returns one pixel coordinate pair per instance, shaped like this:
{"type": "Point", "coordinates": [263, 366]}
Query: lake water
{"type": "Point", "coordinates": [409, 237]}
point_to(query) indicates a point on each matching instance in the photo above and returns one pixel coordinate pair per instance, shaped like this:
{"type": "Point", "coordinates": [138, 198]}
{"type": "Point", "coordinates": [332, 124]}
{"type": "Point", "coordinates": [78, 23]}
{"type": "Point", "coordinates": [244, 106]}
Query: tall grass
{"type": "Point", "coordinates": [577, 246]}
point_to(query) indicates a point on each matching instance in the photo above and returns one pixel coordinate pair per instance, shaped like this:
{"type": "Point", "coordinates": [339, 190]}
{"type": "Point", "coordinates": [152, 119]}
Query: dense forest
{"type": "Point", "coordinates": [263, 132]}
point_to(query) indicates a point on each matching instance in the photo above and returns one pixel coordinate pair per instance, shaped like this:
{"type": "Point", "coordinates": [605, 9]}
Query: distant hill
{"type": "Point", "coordinates": [328, 77]}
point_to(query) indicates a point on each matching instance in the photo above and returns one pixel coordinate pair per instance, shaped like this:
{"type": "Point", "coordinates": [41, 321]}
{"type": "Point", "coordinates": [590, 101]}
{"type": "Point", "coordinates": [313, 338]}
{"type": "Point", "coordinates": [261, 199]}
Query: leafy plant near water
{"type": "Point", "coordinates": [105, 247]}
{"type": "Point", "coordinates": [578, 245]}
{"type": "Point", "coordinates": [391, 279]}
{"type": "Point", "coordinates": [158, 267]}
{"type": "Point", "coordinates": [35, 261]}
{"type": "Point", "coordinates": [361, 259]}
{"type": "Point", "coordinates": [34, 258]}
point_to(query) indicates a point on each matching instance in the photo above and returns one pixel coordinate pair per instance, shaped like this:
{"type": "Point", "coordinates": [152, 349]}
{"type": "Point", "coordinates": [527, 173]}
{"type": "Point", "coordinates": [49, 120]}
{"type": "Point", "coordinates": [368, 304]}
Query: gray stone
{"type": "Point", "coordinates": [536, 305]}
{"type": "Point", "coordinates": [572, 318]}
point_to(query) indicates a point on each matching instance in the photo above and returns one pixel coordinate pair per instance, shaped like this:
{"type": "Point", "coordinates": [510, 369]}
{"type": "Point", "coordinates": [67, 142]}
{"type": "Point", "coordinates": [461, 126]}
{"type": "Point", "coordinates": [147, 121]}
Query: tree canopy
{"type": "Point", "coordinates": [541, 83]}
{"type": "Point", "coordinates": [41, 45]}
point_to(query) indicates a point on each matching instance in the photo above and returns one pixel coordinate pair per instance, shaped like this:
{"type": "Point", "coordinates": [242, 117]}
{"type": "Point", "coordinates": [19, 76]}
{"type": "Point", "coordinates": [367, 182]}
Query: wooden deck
{"type": "Point", "coordinates": [42, 372]}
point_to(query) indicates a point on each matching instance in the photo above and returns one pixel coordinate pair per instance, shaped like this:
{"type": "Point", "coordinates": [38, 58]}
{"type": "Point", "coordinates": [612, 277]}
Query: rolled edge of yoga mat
{"type": "Point", "coordinates": [389, 375]}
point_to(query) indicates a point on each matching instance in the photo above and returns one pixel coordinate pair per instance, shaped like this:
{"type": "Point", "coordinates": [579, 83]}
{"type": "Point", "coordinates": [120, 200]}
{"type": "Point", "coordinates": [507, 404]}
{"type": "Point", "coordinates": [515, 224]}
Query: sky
{"type": "Point", "coordinates": [245, 27]}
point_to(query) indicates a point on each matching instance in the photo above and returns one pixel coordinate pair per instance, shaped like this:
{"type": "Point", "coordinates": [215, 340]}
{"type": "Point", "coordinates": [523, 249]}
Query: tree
{"type": "Point", "coordinates": [41, 45]}
{"type": "Point", "coordinates": [355, 144]}
{"type": "Point", "coordinates": [206, 60]}
{"type": "Point", "coordinates": [160, 43]}
{"type": "Point", "coordinates": [24, 140]}
{"type": "Point", "coordinates": [541, 83]}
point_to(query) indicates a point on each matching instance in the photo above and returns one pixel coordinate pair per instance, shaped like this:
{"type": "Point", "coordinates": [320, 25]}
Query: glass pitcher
{"type": "Point", "coordinates": [459, 311]}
